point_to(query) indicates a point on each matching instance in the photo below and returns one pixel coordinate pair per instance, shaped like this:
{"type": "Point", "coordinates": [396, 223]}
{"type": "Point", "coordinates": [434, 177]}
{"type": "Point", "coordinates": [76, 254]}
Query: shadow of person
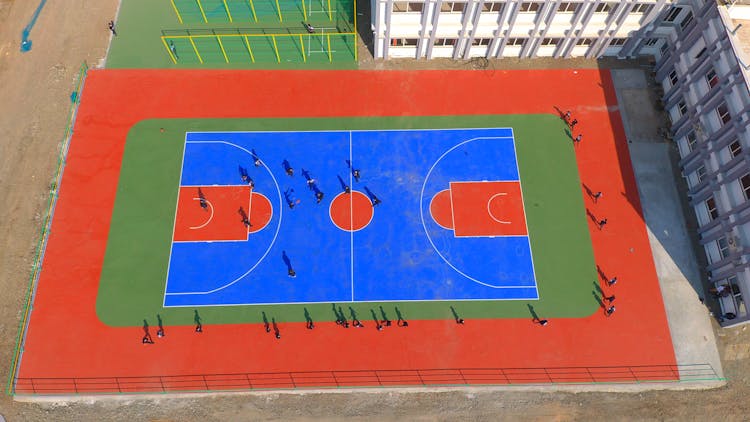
{"type": "Point", "coordinates": [400, 321]}
{"type": "Point", "coordinates": [598, 299]}
{"type": "Point", "coordinates": [198, 322]}
{"type": "Point", "coordinates": [265, 322]}
{"type": "Point", "coordinates": [533, 313]}
{"type": "Point", "coordinates": [598, 288]}
{"type": "Point", "coordinates": [309, 320]}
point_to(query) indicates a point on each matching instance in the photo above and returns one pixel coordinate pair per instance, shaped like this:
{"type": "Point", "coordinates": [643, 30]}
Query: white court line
{"type": "Point", "coordinates": [525, 222]}
{"type": "Point", "coordinates": [492, 216]}
{"type": "Point", "coordinates": [275, 235]}
{"type": "Point", "coordinates": [450, 203]}
{"type": "Point", "coordinates": [424, 225]}
{"type": "Point", "coordinates": [467, 129]}
{"type": "Point", "coordinates": [328, 301]}
{"type": "Point", "coordinates": [211, 217]}
{"type": "Point", "coordinates": [249, 209]}
{"type": "Point", "coordinates": [351, 214]}
{"type": "Point", "coordinates": [174, 223]}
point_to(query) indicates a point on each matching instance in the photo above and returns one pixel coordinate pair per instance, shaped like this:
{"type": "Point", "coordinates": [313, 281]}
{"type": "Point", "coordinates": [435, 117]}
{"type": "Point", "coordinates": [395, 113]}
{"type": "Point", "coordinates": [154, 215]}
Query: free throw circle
{"type": "Point", "coordinates": [351, 211]}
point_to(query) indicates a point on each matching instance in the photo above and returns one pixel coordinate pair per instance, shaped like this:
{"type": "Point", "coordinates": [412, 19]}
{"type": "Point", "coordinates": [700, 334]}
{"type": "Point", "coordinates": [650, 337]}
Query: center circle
{"type": "Point", "coordinates": [351, 211]}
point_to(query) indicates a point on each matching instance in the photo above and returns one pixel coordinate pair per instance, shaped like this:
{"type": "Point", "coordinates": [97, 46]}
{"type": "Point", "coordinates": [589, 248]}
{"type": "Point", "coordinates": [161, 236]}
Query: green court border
{"type": "Point", "coordinates": [133, 274]}
{"type": "Point", "coordinates": [138, 43]}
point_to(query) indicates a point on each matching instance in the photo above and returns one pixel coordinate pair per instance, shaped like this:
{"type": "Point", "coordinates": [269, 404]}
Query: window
{"type": "Point", "coordinates": [682, 108]}
{"type": "Point", "coordinates": [723, 112]}
{"type": "Point", "coordinates": [550, 41]}
{"type": "Point", "coordinates": [700, 53]}
{"type": "Point", "coordinates": [701, 173]}
{"type": "Point", "coordinates": [642, 8]}
{"type": "Point", "coordinates": [745, 184]}
{"type": "Point", "coordinates": [711, 208]}
{"type": "Point", "coordinates": [444, 41]}
{"type": "Point", "coordinates": [735, 149]}
{"type": "Point", "coordinates": [685, 22]}
{"type": "Point", "coordinates": [481, 41]}
{"type": "Point", "coordinates": [691, 140]}
{"type": "Point", "coordinates": [516, 41]}
{"type": "Point", "coordinates": [400, 42]}
{"type": "Point", "coordinates": [492, 7]}
{"type": "Point", "coordinates": [664, 47]}
{"type": "Point", "coordinates": [585, 41]}
{"type": "Point", "coordinates": [617, 41]}
{"type": "Point", "coordinates": [672, 15]}
{"type": "Point", "coordinates": [673, 77]}
{"type": "Point", "coordinates": [568, 7]}
{"type": "Point", "coordinates": [602, 8]}
{"type": "Point", "coordinates": [452, 6]}
{"type": "Point", "coordinates": [711, 78]}
{"type": "Point", "coordinates": [529, 7]}
{"type": "Point", "coordinates": [400, 6]}
{"type": "Point", "coordinates": [651, 42]}
{"type": "Point", "coordinates": [723, 246]}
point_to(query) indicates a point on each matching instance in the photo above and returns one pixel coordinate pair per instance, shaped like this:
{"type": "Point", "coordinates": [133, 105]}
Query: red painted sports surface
{"type": "Point", "coordinates": [65, 338]}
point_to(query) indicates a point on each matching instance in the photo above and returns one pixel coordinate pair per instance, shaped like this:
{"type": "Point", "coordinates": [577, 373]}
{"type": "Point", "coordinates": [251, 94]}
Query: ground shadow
{"type": "Point", "coordinates": [456, 317]}
{"type": "Point", "coordinates": [355, 320]}
{"type": "Point", "coordinates": [378, 325]}
{"type": "Point", "coordinates": [598, 299]}
{"type": "Point", "coordinates": [198, 321]}
{"type": "Point", "coordinates": [289, 270]}
{"type": "Point", "coordinates": [276, 331]}
{"type": "Point", "coordinates": [400, 321]}
{"type": "Point", "coordinates": [384, 317]}
{"type": "Point", "coordinates": [373, 198]}
{"type": "Point", "coordinates": [266, 325]}
{"type": "Point", "coordinates": [309, 320]}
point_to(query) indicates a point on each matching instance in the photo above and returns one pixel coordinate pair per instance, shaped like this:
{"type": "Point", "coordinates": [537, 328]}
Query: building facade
{"type": "Point", "coordinates": [464, 29]}
{"type": "Point", "coordinates": [703, 71]}
{"type": "Point", "coordinates": [700, 64]}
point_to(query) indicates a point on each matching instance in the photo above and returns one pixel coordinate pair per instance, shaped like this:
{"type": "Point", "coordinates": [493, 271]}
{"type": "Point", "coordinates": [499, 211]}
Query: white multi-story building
{"type": "Point", "coordinates": [704, 73]}
{"type": "Point", "coordinates": [700, 64]}
{"type": "Point", "coordinates": [463, 29]}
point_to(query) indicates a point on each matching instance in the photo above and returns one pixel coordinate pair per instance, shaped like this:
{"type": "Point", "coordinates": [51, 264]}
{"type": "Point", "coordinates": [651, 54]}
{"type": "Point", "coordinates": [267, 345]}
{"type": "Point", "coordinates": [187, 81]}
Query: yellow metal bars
{"type": "Point", "coordinates": [330, 13]}
{"type": "Point", "coordinates": [354, 36]}
{"type": "Point", "coordinates": [196, 50]}
{"type": "Point", "coordinates": [169, 50]}
{"type": "Point", "coordinates": [276, 49]}
{"type": "Point", "coordinates": [326, 46]}
{"type": "Point", "coordinates": [203, 12]}
{"type": "Point", "coordinates": [252, 9]}
{"type": "Point", "coordinates": [229, 14]}
{"type": "Point", "coordinates": [304, 10]}
{"type": "Point", "coordinates": [281, 18]}
{"type": "Point", "coordinates": [249, 50]}
{"type": "Point", "coordinates": [302, 45]}
{"type": "Point", "coordinates": [221, 45]}
{"type": "Point", "coordinates": [174, 6]}
{"type": "Point", "coordinates": [330, 57]}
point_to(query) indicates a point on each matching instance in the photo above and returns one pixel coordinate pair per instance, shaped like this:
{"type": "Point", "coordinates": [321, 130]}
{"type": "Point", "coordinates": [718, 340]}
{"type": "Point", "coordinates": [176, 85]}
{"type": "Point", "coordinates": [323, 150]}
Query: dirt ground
{"type": "Point", "coordinates": [35, 92]}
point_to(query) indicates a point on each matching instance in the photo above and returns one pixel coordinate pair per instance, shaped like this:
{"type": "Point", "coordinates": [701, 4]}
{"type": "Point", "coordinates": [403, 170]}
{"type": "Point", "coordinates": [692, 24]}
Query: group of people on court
{"type": "Point", "coordinates": [601, 223]}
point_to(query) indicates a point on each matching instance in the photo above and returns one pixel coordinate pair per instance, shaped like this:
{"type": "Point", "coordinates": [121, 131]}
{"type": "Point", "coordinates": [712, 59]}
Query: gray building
{"type": "Point", "coordinates": [699, 63]}
{"type": "Point", "coordinates": [703, 72]}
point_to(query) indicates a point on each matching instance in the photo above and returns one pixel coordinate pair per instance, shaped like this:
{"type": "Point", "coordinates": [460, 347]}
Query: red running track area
{"type": "Point", "coordinates": [66, 339]}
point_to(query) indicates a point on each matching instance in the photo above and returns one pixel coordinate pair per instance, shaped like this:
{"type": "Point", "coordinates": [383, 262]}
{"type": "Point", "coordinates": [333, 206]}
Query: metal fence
{"type": "Point", "coordinates": [367, 378]}
{"type": "Point", "coordinates": [36, 268]}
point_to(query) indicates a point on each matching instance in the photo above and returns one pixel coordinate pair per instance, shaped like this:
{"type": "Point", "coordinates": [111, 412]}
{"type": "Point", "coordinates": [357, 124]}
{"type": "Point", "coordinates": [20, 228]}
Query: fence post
{"type": "Point", "coordinates": [179, 18]}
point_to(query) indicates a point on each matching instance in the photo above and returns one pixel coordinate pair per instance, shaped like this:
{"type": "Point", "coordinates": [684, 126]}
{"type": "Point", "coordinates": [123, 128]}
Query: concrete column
{"type": "Point", "coordinates": [434, 26]}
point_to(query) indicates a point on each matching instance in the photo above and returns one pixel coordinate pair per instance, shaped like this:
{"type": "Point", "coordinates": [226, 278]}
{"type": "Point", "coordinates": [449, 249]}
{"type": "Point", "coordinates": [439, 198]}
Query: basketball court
{"type": "Point", "coordinates": [221, 201]}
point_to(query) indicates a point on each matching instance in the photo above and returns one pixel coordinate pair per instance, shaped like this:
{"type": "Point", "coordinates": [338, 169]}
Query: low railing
{"type": "Point", "coordinates": [36, 267]}
{"type": "Point", "coordinates": [367, 378]}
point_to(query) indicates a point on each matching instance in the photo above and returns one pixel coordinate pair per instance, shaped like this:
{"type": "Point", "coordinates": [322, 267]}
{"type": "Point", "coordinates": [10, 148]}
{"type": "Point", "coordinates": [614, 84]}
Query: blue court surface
{"type": "Point", "coordinates": [401, 255]}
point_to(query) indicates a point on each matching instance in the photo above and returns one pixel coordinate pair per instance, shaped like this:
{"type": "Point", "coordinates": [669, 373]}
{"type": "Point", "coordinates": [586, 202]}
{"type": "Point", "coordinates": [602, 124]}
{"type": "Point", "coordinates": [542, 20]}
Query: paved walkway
{"type": "Point", "coordinates": [676, 266]}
